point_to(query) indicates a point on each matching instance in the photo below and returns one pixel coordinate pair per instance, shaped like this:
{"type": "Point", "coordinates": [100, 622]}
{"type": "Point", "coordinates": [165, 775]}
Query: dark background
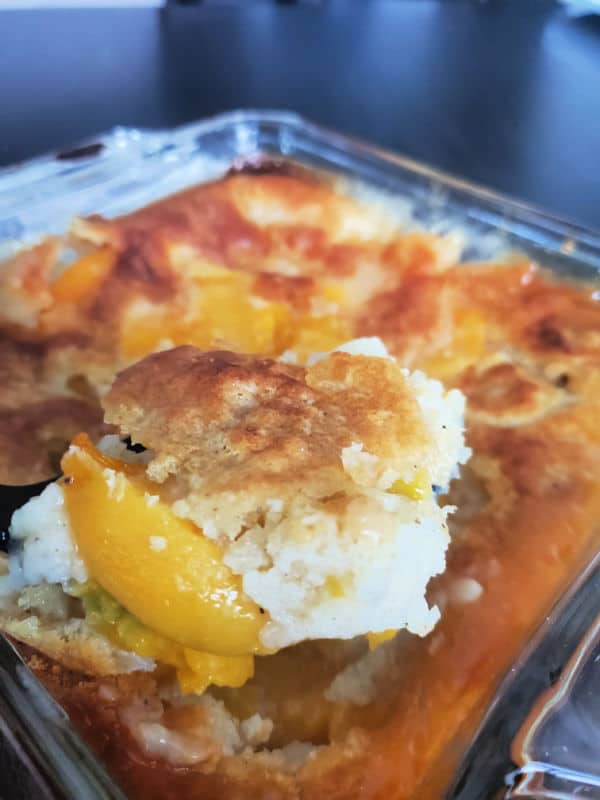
{"type": "Point", "coordinates": [505, 93]}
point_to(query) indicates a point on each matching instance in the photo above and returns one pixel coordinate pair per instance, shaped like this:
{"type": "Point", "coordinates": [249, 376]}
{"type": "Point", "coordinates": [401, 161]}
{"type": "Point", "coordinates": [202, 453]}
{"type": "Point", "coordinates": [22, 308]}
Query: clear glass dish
{"type": "Point", "coordinates": [519, 749]}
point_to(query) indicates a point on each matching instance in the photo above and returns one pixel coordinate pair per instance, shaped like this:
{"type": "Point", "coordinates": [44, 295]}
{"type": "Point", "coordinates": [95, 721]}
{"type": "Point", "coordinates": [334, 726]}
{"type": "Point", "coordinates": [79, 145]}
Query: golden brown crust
{"type": "Point", "coordinates": [24, 291]}
{"type": "Point", "coordinates": [289, 233]}
{"type": "Point", "coordinates": [293, 289]}
{"type": "Point", "coordinates": [522, 346]}
{"type": "Point", "coordinates": [507, 393]}
{"type": "Point", "coordinates": [33, 439]}
{"type": "Point", "coordinates": [237, 423]}
{"type": "Point", "coordinates": [21, 365]}
{"type": "Point", "coordinates": [206, 220]}
{"type": "Point", "coordinates": [72, 644]}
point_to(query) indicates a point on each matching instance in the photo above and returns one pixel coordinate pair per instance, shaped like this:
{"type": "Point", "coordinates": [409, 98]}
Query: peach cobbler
{"type": "Point", "coordinates": [316, 480]}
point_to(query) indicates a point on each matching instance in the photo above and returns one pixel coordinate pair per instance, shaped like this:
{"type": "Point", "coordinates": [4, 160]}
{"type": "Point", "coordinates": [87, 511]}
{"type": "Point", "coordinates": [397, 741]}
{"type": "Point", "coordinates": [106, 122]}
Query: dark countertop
{"type": "Point", "coordinates": [504, 93]}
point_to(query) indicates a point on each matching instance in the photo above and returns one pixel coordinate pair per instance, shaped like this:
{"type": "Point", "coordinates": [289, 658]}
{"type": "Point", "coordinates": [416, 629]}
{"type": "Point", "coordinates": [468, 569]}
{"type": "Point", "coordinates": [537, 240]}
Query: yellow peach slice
{"type": "Point", "coordinates": [162, 569]}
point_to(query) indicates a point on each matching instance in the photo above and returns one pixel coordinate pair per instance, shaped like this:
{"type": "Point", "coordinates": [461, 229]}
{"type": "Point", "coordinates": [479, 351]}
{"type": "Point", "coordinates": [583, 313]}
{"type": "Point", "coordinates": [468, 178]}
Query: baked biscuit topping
{"type": "Point", "coordinates": [281, 267]}
{"type": "Point", "coordinates": [228, 423]}
{"type": "Point", "coordinates": [279, 264]}
{"type": "Point", "coordinates": [309, 490]}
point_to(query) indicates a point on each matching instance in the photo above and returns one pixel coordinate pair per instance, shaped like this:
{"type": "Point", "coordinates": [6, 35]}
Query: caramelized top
{"type": "Point", "coordinates": [226, 422]}
{"type": "Point", "coordinates": [258, 264]}
{"type": "Point", "coordinates": [268, 263]}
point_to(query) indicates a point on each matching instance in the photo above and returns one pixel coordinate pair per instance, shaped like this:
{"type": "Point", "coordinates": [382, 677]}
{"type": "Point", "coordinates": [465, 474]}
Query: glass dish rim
{"type": "Point", "coordinates": [529, 213]}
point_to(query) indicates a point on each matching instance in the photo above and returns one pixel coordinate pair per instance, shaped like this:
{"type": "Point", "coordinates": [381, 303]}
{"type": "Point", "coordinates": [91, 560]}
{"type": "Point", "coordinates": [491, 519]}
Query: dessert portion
{"type": "Point", "coordinates": [283, 266]}
{"type": "Point", "coordinates": [271, 504]}
{"type": "Point", "coordinates": [255, 264]}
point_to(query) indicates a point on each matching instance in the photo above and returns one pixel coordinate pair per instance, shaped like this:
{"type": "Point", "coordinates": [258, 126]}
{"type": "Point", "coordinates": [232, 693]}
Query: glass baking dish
{"type": "Point", "coordinates": [128, 168]}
